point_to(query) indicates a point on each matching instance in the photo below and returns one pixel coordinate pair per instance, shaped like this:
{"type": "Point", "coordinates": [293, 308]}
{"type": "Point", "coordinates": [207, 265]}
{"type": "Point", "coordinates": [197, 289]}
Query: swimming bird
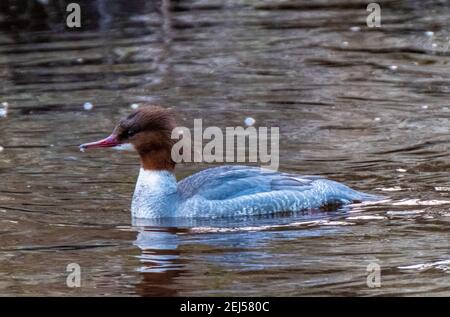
{"type": "Point", "coordinates": [224, 191]}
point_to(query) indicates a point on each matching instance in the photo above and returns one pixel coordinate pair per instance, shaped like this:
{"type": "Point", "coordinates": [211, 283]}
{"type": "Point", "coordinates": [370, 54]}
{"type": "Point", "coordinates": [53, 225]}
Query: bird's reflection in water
{"type": "Point", "coordinates": [232, 242]}
{"type": "Point", "coordinates": [160, 257]}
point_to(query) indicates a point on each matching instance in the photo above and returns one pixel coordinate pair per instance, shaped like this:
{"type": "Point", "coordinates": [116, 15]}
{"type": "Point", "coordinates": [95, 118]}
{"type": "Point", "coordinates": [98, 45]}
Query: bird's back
{"type": "Point", "coordinates": [242, 190]}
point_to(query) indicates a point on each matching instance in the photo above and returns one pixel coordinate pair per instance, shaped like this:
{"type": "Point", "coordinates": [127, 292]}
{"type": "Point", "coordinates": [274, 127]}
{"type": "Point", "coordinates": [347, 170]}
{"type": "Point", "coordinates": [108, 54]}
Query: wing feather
{"type": "Point", "coordinates": [232, 181]}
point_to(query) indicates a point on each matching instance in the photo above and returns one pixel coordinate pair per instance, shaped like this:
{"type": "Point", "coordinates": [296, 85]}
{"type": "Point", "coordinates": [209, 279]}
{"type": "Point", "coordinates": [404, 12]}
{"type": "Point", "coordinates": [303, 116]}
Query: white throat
{"type": "Point", "coordinates": [125, 147]}
{"type": "Point", "coordinates": [155, 195]}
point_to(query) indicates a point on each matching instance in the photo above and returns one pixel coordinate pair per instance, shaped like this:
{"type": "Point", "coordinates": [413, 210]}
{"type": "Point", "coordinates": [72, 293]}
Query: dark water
{"type": "Point", "coordinates": [368, 107]}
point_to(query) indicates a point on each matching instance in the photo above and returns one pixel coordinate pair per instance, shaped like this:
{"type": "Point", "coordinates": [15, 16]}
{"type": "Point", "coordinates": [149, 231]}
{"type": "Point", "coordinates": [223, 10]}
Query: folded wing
{"type": "Point", "coordinates": [227, 182]}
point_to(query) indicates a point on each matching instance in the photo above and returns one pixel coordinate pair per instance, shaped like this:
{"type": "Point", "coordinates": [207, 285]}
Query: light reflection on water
{"type": "Point", "coordinates": [344, 112]}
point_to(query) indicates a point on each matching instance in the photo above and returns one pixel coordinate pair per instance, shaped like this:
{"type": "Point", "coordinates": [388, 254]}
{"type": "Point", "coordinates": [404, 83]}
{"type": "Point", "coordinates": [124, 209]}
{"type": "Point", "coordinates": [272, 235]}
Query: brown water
{"type": "Point", "coordinates": [311, 67]}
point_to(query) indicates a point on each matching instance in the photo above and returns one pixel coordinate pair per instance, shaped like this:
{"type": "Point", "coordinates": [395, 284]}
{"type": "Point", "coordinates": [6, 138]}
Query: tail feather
{"type": "Point", "coordinates": [361, 196]}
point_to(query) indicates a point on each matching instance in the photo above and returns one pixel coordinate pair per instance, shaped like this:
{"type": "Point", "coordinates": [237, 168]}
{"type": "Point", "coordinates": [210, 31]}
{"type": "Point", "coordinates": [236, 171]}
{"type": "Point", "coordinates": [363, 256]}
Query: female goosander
{"type": "Point", "coordinates": [215, 192]}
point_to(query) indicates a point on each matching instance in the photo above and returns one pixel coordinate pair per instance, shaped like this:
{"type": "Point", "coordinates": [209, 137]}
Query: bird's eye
{"type": "Point", "coordinates": [131, 132]}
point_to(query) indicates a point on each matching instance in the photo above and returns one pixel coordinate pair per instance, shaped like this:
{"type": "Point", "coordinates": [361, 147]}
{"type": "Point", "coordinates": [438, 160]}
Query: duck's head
{"type": "Point", "coordinates": [148, 131]}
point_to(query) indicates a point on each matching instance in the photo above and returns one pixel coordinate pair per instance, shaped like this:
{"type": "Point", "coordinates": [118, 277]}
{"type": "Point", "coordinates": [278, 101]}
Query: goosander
{"type": "Point", "coordinates": [223, 191]}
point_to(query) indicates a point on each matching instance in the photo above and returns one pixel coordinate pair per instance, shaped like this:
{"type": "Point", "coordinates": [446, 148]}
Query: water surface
{"type": "Point", "coordinates": [368, 107]}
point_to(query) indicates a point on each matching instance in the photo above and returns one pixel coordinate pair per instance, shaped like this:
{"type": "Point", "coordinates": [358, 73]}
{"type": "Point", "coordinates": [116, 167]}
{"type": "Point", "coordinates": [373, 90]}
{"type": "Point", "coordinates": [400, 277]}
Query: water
{"type": "Point", "coordinates": [368, 107]}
